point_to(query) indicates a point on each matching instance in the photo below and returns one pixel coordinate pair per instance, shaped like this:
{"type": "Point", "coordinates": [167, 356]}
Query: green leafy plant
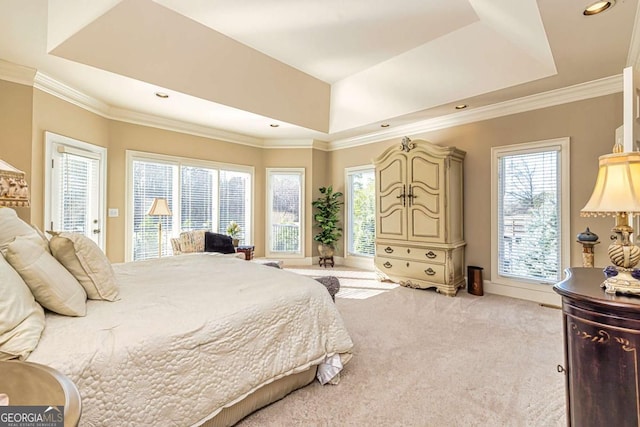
{"type": "Point", "coordinates": [327, 210]}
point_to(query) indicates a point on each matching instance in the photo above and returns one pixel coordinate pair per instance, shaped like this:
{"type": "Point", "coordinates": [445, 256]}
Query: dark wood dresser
{"type": "Point", "coordinates": [602, 340]}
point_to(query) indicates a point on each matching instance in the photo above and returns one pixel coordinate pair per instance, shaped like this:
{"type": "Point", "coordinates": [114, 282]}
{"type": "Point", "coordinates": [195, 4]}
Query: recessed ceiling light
{"type": "Point", "coordinates": [461, 106]}
{"type": "Point", "coordinates": [384, 125]}
{"type": "Point", "coordinates": [598, 7]}
{"type": "Point", "coordinates": [162, 95]}
{"type": "Point", "coordinates": [274, 125]}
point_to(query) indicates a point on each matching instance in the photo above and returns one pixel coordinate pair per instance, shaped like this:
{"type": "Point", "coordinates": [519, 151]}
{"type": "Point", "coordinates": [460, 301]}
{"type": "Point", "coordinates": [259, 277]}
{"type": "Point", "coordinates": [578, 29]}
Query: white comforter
{"type": "Point", "coordinates": [190, 335]}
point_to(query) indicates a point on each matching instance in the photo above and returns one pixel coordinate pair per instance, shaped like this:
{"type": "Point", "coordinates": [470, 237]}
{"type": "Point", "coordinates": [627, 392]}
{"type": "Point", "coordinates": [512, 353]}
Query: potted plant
{"type": "Point", "coordinates": [327, 209]}
{"type": "Point", "coordinates": [233, 230]}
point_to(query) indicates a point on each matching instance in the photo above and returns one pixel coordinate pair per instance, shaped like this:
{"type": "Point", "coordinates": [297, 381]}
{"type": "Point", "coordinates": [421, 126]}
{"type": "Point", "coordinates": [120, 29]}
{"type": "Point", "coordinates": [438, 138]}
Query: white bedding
{"type": "Point", "coordinates": [190, 335]}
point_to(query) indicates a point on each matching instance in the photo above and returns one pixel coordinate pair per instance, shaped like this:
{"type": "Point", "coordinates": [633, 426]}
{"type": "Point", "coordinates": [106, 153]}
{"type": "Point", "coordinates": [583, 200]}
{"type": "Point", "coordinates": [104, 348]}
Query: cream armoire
{"type": "Point", "coordinates": [419, 222]}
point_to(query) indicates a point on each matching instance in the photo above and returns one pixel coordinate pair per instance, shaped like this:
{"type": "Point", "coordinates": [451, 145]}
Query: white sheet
{"type": "Point", "coordinates": [190, 335]}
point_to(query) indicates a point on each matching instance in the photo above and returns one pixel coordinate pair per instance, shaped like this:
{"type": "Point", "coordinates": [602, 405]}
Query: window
{"type": "Point", "coordinates": [530, 228]}
{"type": "Point", "coordinates": [151, 180]}
{"type": "Point", "coordinates": [235, 202]}
{"type": "Point", "coordinates": [198, 198]}
{"type": "Point", "coordinates": [201, 196]}
{"type": "Point", "coordinates": [361, 220]}
{"type": "Point", "coordinates": [285, 212]}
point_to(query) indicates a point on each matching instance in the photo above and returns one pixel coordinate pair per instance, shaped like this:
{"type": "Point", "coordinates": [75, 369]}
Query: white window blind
{"type": "Point", "coordinates": [198, 198]}
{"type": "Point", "coordinates": [361, 231]}
{"type": "Point", "coordinates": [151, 180]}
{"type": "Point", "coordinates": [77, 187]}
{"type": "Point", "coordinates": [235, 202]}
{"type": "Point", "coordinates": [529, 213]}
{"type": "Point", "coordinates": [201, 196]}
{"type": "Point", "coordinates": [285, 195]}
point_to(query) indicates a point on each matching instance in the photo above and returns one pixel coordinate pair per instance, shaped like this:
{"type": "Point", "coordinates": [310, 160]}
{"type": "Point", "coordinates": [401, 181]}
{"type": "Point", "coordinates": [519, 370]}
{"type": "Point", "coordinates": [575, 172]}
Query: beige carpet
{"type": "Point", "coordinates": [424, 359]}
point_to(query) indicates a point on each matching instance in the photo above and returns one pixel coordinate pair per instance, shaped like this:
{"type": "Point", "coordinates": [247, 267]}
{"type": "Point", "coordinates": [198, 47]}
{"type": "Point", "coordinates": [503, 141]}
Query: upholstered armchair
{"type": "Point", "coordinates": [188, 242]}
{"type": "Point", "coordinates": [203, 241]}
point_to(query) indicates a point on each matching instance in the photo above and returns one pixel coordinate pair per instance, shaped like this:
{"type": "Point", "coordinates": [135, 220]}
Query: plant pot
{"type": "Point", "coordinates": [325, 251]}
{"type": "Point", "coordinates": [235, 242]}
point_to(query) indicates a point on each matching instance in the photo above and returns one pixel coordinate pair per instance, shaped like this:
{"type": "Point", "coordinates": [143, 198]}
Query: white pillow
{"type": "Point", "coordinates": [11, 227]}
{"type": "Point", "coordinates": [88, 264]}
{"type": "Point", "coordinates": [21, 317]}
{"type": "Point", "coordinates": [51, 284]}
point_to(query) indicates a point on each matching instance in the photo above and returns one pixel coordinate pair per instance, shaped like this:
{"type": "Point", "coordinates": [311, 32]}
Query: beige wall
{"type": "Point", "coordinates": [51, 114]}
{"type": "Point", "coordinates": [26, 113]}
{"type": "Point", "coordinates": [589, 124]}
{"type": "Point", "coordinates": [16, 105]}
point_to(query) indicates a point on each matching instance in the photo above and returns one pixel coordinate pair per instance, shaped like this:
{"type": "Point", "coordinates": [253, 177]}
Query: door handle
{"type": "Point", "coordinates": [402, 195]}
{"type": "Point", "coordinates": [388, 250]}
{"type": "Point", "coordinates": [430, 271]}
{"type": "Point", "coordinates": [387, 264]}
{"type": "Point", "coordinates": [430, 255]}
{"type": "Point", "coordinates": [411, 196]}
{"type": "Point", "coordinates": [96, 231]}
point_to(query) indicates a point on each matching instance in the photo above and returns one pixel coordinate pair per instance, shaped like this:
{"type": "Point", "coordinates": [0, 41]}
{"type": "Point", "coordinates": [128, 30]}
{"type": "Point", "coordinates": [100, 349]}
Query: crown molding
{"type": "Point", "coordinates": [321, 145]}
{"type": "Point", "coordinates": [289, 143]}
{"type": "Point", "coordinates": [579, 92]}
{"type": "Point", "coordinates": [16, 73]}
{"type": "Point", "coordinates": [65, 92]}
{"type": "Point", "coordinates": [60, 90]}
{"type": "Point", "coordinates": [605, 86]}
{"type": "Point", "coordinates": [143, 119]}
{"type": "Point", "coordinates": [297, 143]}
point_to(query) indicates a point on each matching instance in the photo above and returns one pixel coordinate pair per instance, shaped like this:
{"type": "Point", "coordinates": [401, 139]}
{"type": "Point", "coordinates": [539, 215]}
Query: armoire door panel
{"type": "Point", "coordinates": [424, 199]}
{"type": "Point", "coordinates": [423, 226]}
{"type": "Point", "coordinates": [391, 199]}
{"type": "Point", "coordinates": [392, 224]}
{"type": "Point", "coordinates": [425, 172]}
{"type": "Point", "coordinates": [391, 175]}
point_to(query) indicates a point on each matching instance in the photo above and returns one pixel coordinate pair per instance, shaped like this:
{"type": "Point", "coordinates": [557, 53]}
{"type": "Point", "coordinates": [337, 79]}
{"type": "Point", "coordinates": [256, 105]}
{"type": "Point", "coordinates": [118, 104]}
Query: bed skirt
{"type": "Point", "coordinates": [261, 398]}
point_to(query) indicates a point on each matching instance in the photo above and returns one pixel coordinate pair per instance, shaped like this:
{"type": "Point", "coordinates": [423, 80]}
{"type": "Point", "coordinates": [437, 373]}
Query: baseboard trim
{"type": "Point", "coordinates": [544, 297]}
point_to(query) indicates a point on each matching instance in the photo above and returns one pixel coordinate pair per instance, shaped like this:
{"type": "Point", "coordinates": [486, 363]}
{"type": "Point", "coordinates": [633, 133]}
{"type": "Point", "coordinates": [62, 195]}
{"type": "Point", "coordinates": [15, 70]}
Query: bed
{"type": "Point", "coordinates": [197, 339]}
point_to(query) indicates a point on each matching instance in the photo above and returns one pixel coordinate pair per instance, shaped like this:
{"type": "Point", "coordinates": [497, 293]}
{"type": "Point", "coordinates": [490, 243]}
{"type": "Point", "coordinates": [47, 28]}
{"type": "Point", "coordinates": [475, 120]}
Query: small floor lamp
{"type": "Point", "coordinates": [159, 208]}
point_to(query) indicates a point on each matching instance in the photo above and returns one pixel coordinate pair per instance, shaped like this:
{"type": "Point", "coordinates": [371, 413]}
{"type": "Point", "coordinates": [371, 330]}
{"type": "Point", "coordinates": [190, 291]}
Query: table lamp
{"type": "Point", "coordinates": [159, 208]}
{"type": "Point", "coordinates": [617, 193]}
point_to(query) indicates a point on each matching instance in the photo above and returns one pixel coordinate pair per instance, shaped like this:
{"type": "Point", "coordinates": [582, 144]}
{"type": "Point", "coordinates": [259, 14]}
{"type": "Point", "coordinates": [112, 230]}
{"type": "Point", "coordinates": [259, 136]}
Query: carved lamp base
{"type": "Point", "coordinates": [621, 280]}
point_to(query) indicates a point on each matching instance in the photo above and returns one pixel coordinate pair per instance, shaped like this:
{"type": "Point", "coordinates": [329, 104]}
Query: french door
{"type": "Point", "coordinates": [75, 187]}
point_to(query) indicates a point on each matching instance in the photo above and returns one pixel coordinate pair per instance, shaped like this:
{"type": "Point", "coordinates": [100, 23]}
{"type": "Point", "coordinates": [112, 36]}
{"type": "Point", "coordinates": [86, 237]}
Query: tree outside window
{"type": "Point", "coordinates": [529, 206]}
{"type": "Point", "coordinates": [361, 210]}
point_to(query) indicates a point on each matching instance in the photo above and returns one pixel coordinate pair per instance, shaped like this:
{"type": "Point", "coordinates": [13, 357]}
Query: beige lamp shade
{"type": "Point", "coordinates": [159, 208]}
{"type": "Point", "coordinates": [14, 190]}
{"type": "Point", "coordinates": [617, 187]}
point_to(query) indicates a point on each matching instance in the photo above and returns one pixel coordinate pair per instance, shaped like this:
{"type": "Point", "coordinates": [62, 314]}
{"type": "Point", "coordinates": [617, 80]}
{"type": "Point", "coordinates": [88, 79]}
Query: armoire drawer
{"type": "Point", "coordinates": [412, 253]}
{"type": "Point", "coordinates": [413, 269]}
